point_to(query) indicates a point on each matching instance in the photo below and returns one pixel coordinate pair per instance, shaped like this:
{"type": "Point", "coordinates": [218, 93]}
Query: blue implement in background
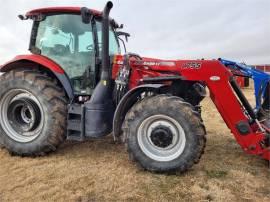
{"type": "Point", "coordinates": [261, 79]}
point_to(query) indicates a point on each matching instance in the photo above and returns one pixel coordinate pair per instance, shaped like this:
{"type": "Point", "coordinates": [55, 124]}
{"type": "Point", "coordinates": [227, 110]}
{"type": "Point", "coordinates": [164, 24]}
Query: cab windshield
{"type": "Point", "coordinates": [71, 43]}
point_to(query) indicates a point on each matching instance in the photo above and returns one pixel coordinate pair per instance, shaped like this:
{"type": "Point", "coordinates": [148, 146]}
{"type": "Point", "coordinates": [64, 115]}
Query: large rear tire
{"type": "Point", "coordinates": [33, 110]}
{"type": "Point", "coordinates": [164, 134]}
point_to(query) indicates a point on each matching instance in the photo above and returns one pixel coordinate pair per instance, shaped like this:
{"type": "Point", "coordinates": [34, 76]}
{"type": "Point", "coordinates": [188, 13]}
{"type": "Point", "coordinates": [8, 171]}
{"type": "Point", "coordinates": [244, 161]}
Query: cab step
{"type": "Point", "coordinates": [75, 122]}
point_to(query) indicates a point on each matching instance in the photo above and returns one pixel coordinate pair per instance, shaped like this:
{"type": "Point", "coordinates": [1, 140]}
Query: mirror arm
{"type": "Point", "coordinates": [123, 34]}
{"type": "Point", "coordinates": [123, 43]}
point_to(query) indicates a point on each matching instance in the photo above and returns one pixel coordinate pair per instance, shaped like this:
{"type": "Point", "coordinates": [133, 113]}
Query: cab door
{"type": "Point", "coordinates": [69, 42]}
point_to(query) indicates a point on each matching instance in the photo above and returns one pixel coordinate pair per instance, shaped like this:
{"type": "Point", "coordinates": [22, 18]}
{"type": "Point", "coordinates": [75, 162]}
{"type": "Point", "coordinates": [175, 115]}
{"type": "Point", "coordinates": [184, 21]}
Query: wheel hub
{"type": "Point", "coordinates": [26, 114]}
{"type": "Point", "coordinates": [162, 136]}
{"type": "Point", "coordinates": [21, 115]}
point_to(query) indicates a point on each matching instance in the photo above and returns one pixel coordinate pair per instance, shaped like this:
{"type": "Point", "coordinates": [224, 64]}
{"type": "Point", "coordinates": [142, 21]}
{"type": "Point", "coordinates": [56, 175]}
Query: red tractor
{"type": "Point", "coordinates": [76, 85]}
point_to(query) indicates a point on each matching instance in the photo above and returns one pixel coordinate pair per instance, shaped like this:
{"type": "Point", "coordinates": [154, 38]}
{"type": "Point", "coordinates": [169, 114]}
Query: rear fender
{"type": "Point", "coordinates": [40, 62]}
{"type": "Point", "coordinates": [127, 102]}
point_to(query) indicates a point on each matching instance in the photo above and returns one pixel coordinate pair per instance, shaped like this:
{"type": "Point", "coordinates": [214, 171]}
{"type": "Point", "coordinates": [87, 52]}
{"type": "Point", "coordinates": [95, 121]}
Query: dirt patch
{"type": "Point", "coordinates": [100, 171]}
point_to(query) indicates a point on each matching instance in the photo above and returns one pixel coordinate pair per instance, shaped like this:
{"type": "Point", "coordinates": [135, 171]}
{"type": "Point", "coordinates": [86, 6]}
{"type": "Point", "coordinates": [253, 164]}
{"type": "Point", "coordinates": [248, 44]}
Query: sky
{"type": "Point", "coordinates": [238, 30]}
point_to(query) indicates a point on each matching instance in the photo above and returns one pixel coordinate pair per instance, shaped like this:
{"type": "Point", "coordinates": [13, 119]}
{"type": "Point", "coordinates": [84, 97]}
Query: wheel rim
{"type": "Point", "coordinates": [21, 115]}
{"type": "Point", "coordinates": [161, 138]}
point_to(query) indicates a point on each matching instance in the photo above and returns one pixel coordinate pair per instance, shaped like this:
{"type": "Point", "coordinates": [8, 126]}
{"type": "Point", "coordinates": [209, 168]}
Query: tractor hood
{"type": "Point", "coordinates": [145, 63]}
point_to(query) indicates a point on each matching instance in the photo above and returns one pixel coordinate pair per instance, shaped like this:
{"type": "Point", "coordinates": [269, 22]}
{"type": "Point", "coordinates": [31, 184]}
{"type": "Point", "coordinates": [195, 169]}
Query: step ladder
{"type": "Point", "coordinates": [75, 122]}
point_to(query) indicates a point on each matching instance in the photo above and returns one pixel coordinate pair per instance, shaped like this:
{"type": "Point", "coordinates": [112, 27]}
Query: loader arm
{"type": "Point", "coordinates": [226, 95]}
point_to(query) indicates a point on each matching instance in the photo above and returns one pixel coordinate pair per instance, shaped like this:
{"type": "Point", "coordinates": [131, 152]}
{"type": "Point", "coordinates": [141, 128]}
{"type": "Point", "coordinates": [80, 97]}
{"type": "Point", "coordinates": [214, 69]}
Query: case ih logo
{"type": "Point", "coordinates": [142, 63]}
{"type": "Point", "coordinates": [192, 65]}
{"type": "Point", "coordinates": [150, 63]}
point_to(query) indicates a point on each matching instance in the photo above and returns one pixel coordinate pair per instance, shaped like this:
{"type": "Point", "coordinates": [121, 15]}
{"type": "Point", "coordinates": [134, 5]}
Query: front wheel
{"type": "Point", "coordinates": [32, 113]}
{"type": "Point", "coordinates": [164, 134]}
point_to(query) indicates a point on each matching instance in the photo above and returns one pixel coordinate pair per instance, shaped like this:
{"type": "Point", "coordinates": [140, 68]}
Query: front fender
{"type": "Point", "coordinates": [35, 61]}
{"type": "Point", "coordinates": [39, 59]}
{"type": "Point", "coordinates": [130, 98]}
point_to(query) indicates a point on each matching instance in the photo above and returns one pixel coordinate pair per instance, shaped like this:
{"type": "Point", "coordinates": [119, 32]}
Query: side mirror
{"type": "Point", "coordinates": [85, 15]}
{"type": "Point", "coordinates": [23, 17]}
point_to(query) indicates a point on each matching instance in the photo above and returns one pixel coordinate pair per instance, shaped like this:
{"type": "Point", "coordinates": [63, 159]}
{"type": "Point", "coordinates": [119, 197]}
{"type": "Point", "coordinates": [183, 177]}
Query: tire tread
{"type": "Point", "coordinates": [55, 96]}
{"type": "Point", "coordinates": [179, 106]}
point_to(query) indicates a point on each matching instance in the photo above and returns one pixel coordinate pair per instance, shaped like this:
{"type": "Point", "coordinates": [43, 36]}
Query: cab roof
{"type": "Point", "coordinates": [60, 10]}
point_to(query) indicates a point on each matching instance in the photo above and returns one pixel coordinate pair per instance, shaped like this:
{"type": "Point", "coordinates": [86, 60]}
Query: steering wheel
{"type": "Point", "coordinates": [90, 47]}
{"type": "Point", "coordinates": [59, 50]}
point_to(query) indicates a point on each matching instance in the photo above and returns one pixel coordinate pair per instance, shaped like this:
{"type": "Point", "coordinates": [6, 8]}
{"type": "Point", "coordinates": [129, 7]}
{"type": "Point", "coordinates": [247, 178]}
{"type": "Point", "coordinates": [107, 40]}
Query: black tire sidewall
{"type": "Point", "coordinates": [41, 139]}
{"type": "Point", "coordinates": [189, 152]}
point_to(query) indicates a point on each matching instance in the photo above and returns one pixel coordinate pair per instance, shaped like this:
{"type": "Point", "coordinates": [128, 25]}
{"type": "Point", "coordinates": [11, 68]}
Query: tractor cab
{"type": "Point", "coordinates": [72, 38]}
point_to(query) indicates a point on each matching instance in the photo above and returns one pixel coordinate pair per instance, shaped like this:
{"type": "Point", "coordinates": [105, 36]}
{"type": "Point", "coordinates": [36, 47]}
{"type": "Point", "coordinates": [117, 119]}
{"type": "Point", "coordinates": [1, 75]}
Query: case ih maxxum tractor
{"type": "Point", "coordinates": [76, 85]}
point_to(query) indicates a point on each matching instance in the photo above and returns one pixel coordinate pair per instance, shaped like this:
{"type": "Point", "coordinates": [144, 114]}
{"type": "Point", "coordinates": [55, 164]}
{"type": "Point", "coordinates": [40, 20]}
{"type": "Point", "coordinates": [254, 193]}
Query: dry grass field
{"type": "Point", "coordinates": [99, 170]}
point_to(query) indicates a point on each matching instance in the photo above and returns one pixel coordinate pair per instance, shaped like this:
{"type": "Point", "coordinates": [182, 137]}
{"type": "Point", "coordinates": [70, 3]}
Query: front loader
{"type": "Point", "coordinates": [77, 85]}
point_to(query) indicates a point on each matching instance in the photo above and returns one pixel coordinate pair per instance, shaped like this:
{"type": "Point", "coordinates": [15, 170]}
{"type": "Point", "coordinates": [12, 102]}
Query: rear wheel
{"type": "Point", "coordinates": [32, 113]}
{"type": "Point", "coordinates": [164, 134]}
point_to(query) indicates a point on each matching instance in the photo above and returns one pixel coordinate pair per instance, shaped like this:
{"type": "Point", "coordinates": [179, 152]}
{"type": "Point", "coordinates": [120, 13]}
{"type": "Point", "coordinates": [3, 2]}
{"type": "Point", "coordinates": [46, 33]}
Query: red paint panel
{"type": "Point", "coordinates": [60, 10]}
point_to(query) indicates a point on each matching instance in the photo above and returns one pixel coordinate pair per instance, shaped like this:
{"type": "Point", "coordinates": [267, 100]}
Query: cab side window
{"type": "Point", "coordinates": [114, 47]}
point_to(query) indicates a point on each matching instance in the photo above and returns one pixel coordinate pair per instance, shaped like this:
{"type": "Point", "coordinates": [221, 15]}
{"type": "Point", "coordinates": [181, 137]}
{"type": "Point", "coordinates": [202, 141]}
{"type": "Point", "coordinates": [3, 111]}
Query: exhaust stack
{"type": "Point", "coordinates": [105, 42]}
